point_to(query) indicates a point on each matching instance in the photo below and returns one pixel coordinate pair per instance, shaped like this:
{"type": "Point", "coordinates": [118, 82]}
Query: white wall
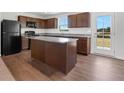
{"type": "Point", "coordinates": [71, 30]}
{"type": "Point", "coordinates": [0, 31]}
{"type": "Point", "coordinates": [119, 35]}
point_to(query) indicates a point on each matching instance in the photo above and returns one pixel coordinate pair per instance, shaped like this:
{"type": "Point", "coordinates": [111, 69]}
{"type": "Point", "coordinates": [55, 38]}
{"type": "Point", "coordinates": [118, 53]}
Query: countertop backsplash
{"type": "Point", "coordinates": [37, 31]}
{"type": "Point", "coordinates": [70, 31]}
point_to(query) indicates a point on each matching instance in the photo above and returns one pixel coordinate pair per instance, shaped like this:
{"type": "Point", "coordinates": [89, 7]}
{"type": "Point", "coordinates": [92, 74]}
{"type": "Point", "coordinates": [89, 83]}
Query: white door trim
{"type": "Point", "coordinates": [93, 27]}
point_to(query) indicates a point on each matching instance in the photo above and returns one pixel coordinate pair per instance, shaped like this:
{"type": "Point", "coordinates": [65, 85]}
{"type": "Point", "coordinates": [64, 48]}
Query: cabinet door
{"type": "Point", "coordinates": [38, 50]}
{"type": "Point", "coordinates": [31, 19]}
{"type": "Point", "coordinates": [83, 20]}
{"type": "Point", "coordinates": [22, 20]}
{"type": "Point", "coordinates": [46, 23]}
{"type": "Point", "coordinates": [42, 23]}
{"type": "Point", "coordinates": [51, 23]}
{"type": "Point", "coordinates": [83, 45]}
{"type": "Point", "coordinates": [39, 23]}
{"type": "Point", "coordinates": [72, 20]}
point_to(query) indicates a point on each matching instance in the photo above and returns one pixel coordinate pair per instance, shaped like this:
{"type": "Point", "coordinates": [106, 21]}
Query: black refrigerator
{"type": "Point", "coordinates": [10, 37]}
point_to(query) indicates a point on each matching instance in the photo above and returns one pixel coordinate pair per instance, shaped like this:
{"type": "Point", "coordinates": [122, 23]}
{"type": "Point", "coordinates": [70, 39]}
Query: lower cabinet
{"type": "Point", "coordinates": [83, 45]}
{"type": "Point", "coordinates": [38, 50]}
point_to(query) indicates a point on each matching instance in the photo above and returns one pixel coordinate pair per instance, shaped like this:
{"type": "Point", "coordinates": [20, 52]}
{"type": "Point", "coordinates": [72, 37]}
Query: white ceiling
{"type": "Point", "coordinates": [48, 13]}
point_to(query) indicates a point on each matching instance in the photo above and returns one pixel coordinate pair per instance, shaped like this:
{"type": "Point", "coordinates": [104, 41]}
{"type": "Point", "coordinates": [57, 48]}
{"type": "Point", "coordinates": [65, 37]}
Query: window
{"type": "Point", "coordinates": [63, 23]}
{"type": "Point", "coordinates": [104, 32]}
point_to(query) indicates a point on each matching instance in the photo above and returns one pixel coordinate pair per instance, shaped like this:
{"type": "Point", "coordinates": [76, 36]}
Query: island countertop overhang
{"type": "Point", "coordinates": [53, 39]}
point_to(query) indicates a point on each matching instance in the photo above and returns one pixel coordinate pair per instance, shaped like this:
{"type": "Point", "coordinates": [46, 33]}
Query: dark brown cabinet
{"type": "Point", "coordinates": [38, 50]}
{"type": "Point", "coordinates": [31, 19]}
{"type": "Point", "coordinates": [72, 21]}
{"type": "Point", "coordinates": [79, 20]}
{"type": "Point", "coordinates": [22, 20]}
{"type": "Point", "coordinates": [37, 21]}
{"type": "Point", "coordinates": [83, 45]}
{"type": "Point", "coordinates": [40, 23]}
{"type": "Point", "coordinates": [83, 20]}
{"type": "Point", "coordinates": [51, 23]}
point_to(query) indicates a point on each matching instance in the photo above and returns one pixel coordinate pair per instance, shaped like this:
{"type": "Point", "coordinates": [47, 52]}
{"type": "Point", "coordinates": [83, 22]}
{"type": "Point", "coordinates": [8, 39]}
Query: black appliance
{"type": "Point", "coordinates": [30, 24]}
{"type": "Point", "coordinates": [10, 37]}
{"type": "Point", "coordinates": [29, 33]}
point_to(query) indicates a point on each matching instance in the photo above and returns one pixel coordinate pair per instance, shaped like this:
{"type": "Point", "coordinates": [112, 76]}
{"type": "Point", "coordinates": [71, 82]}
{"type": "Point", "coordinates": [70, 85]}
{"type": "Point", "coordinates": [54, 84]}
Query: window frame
{"type": "Point", "coordinates": [59, 18]}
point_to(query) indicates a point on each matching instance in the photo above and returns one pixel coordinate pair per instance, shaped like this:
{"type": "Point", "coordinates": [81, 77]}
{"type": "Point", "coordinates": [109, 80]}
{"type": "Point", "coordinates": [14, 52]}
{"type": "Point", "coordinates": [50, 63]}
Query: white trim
{"type": "Point", "coordinates": [93, 27]}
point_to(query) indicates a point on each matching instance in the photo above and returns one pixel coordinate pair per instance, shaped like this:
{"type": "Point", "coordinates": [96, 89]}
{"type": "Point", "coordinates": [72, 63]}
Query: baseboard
{"type": "Point", "coordinates": [119, 58]}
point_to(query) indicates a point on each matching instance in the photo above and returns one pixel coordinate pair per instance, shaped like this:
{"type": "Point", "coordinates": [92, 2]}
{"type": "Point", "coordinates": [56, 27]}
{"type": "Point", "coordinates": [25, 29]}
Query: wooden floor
{"type": "Point", "coordinates": [5, 74]}
{"type": "Point", "coordinates": [88, 68]}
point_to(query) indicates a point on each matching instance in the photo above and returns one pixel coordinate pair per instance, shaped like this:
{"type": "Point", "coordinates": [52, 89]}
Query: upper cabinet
{"type": "Point", "coordinates": [40, 23]}
{"type": "Point", "coordinates": [31, 19]}
{"type": "Point", "coordinates": [72, 21]}
{"type": "Point", "coordinates": [79, 20]}
{"type": "Point", "coordinates": [83, 20]}
{"type": "Point", "coordinates": [51, 23]}
{"type": "Point", "coordinates": [22, 20]}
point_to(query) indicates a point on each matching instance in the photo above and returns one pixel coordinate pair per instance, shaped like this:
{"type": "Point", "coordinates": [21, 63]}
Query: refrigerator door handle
{"type": "Point", "coordinates": [4, 32]}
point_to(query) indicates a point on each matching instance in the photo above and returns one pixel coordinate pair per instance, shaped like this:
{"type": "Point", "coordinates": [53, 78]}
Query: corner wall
{"type": "Point", "coordinates": [0, 31]}
{"type": "Point", "coordinates": [119, 35]}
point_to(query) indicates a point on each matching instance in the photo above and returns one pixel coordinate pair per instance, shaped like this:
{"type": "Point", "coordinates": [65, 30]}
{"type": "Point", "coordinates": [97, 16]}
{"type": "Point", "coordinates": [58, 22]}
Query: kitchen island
{"type": "Point", "coordinates": [59, 53]}
{"type": "Point", "coordinates": [83, 42]}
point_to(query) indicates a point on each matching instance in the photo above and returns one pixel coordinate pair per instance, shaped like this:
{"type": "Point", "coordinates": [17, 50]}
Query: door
{"type": "Point", "coordinates": [11, 37]}
{"type": "Point", "coordinates": [11, 26]}
{"type": "Point", "coordinates": [11, 43]}
{"type": "Point", "coordinates": [104, 33]}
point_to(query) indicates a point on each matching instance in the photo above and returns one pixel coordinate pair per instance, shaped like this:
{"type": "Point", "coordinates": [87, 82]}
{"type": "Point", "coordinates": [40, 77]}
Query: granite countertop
{"type": "Point", "coordinates": [5, 74]}
{"type": "Point", "coordinates": [66, 35]}
{"type": "Point", "coordinates": [63, 35]}
{"type": "Point", "coordinates": [53, 39]}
